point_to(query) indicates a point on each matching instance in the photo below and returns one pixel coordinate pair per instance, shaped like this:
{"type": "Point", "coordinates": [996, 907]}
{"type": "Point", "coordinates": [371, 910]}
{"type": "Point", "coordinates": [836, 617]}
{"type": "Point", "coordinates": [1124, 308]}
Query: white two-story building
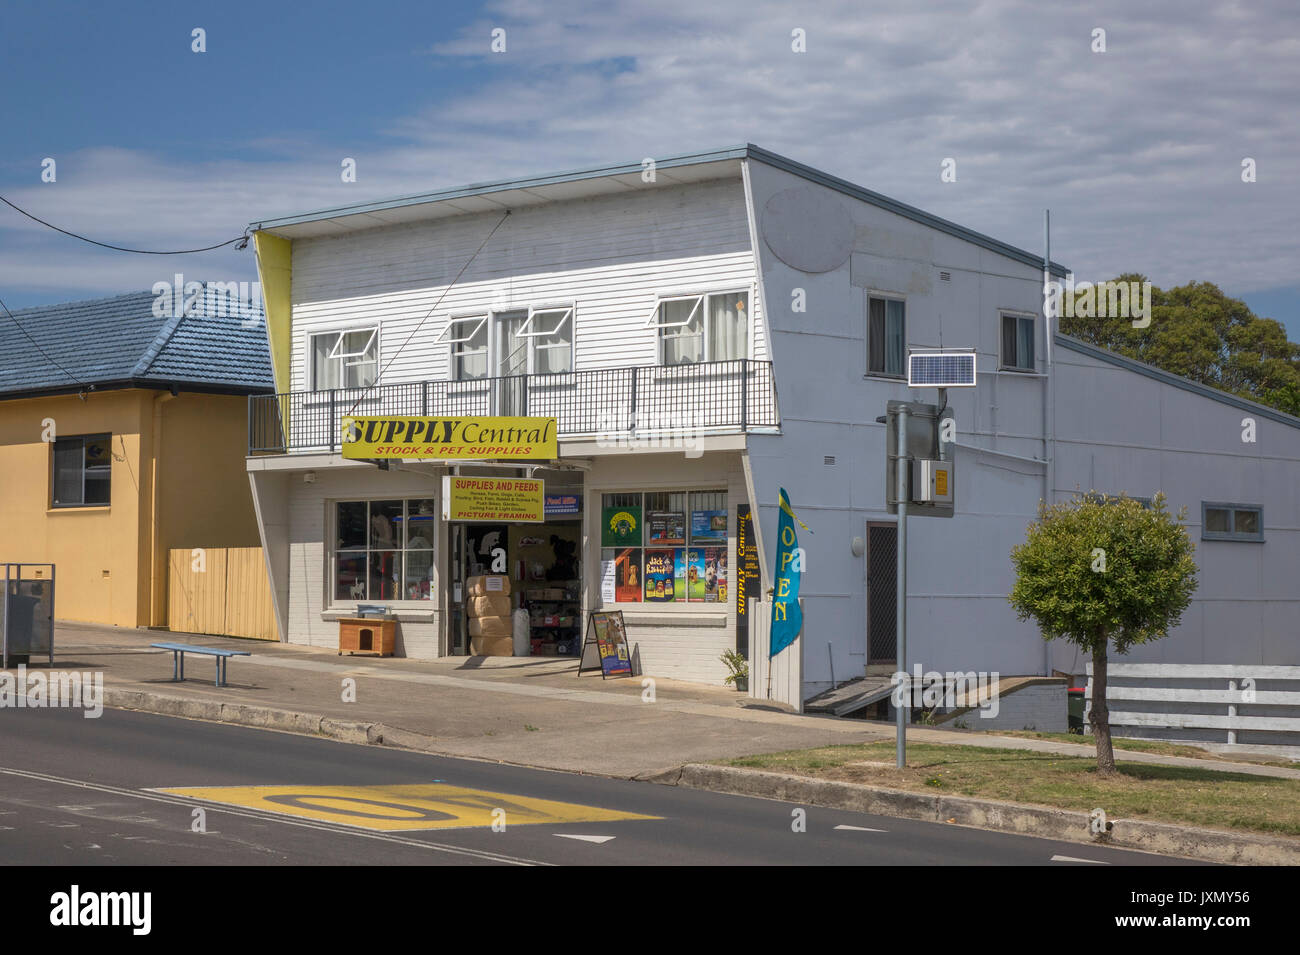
{"type": "Point", "coordinates": [706, 331]}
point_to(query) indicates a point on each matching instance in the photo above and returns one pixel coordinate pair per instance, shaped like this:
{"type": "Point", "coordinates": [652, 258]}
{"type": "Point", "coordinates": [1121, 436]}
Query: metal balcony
{"type": "Point", "coordinates": [724, 397]}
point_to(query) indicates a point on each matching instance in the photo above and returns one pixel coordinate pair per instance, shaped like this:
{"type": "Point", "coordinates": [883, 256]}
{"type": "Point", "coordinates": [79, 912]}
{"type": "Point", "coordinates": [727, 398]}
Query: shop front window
{"type": "Point", "coordinates": [664, 547]}
{"type": "Point", "coordinates": [383, 550]}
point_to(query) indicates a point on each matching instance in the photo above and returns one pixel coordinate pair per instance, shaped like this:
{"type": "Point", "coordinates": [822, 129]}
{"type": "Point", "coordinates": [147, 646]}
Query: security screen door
{"type": "Point", "coordinates": [882, 593]}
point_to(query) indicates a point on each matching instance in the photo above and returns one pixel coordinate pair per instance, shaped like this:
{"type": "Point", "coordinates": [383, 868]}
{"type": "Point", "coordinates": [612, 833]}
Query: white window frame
{"type": "Point", "coordinates": [700, 298]}
{"type": "Point", "coordinates": [1003, 364]}
{"type": "Point", "coordinates": [454, 320]}
{"type": "Point", "coordinates": [341, 334]}
{"type": "Point", "coordinates": [453, 352]}
{"type": "Point", "coordinates": [535, 338]}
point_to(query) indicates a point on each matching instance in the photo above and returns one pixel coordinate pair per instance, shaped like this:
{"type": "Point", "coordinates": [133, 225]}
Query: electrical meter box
{"type": "Point", "coordinates": [932, 481]}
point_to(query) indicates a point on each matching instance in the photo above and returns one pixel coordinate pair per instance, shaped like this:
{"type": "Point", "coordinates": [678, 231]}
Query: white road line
{"type": "Point", "coordinates": [598, 840]}
{"type": "Point", "coordinates": [1073, 859]}
{"type": "Point", "coordinates": [273, 817]}
{"type": "Point", "coordinates": [860, 829]}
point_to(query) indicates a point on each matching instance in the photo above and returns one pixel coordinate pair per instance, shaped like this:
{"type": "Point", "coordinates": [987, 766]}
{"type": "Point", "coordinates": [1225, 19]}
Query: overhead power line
{"type": "Point", "coordinates": [121, 248]}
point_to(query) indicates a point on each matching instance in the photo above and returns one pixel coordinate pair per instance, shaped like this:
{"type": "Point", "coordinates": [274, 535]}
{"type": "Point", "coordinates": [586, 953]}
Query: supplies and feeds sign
{"type": "Point", "coordinates": [451, 439]}
{"type": "Point", "coordinates": [492, 499]}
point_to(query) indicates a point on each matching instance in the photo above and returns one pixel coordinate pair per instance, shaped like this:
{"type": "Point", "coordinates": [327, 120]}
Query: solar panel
{"type": "Point", "coordinates": [941, 370]}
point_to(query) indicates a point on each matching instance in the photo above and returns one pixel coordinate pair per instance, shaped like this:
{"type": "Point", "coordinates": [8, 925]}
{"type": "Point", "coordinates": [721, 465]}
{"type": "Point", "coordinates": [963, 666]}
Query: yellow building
{"type": "Point", "coordinates": [123, 426]}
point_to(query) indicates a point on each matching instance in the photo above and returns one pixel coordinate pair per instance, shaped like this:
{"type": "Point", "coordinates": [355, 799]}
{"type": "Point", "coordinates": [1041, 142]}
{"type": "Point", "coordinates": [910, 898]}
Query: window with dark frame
{"type": "Point", "coordinates": [1232, 522]}
{"type": "Point", "coordinates": [383, 550]}
{"type": "Point", "coordinates": [83, 468]}
{"type": "Point", "coordinates": [1018, 342]}
{"type": "Point", "coordinates": [886, 337]}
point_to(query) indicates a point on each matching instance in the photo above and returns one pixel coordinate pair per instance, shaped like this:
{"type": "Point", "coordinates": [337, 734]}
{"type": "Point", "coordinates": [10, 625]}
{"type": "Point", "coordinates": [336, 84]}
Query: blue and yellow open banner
{"type": "Point", "coordinates": [451, 439]}
{"type": "Point", "coordinates": [787, 615]}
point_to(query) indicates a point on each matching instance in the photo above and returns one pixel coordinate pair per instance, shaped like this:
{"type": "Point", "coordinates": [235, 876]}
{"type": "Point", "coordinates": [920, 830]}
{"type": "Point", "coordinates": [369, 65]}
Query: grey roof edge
{"type": "Point", "coordinates": [1178, 381]}
{"type": "Point", "coordinates": [503, 185]}
{"type": "Point", "coordinates": [231, 388]}
{"type": "Point", "coordinates": [743, 151]}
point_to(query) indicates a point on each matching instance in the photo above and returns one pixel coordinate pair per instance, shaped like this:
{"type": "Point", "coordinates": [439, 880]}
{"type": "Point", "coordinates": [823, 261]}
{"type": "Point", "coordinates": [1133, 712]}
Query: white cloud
{"type": "Point", "coordinates": [1136, 150]}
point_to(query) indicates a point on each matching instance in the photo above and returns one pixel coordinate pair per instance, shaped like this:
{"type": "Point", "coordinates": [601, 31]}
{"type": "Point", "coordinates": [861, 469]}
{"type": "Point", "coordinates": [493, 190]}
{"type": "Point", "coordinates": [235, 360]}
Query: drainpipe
{"type": "Point", "coordinates": [157, 612]}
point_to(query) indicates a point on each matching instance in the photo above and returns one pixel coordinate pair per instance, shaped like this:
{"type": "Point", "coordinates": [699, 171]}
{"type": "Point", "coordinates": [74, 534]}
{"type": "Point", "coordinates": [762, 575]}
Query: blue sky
{"type": "Point", "coordinates": [1137, 150]}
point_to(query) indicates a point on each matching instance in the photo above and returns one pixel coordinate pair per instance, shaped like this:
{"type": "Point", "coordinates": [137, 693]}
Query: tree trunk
{"type": "Point", "coordinates": [1100, 715]}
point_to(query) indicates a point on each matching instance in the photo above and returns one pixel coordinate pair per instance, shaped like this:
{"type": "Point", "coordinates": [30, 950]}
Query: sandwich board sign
{"type": "Point", "coordinates": [607, 635]}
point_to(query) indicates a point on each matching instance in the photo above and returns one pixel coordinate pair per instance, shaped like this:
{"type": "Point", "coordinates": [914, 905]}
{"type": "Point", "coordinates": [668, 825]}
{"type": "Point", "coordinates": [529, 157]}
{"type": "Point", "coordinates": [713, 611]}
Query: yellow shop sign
{"type": "Point", "coordinates": [452, 439]}
{"type": "Point", "coordinates": [492, 499]}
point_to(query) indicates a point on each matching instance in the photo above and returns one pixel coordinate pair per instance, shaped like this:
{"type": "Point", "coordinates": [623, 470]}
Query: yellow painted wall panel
{"type": "Point", "coordinates": [102, 570]}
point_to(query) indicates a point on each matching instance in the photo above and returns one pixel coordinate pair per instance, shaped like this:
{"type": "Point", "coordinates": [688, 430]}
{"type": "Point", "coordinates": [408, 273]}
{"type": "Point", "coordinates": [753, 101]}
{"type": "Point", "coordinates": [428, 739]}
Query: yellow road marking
{"type": "Point", "coordinates": [398, 808]}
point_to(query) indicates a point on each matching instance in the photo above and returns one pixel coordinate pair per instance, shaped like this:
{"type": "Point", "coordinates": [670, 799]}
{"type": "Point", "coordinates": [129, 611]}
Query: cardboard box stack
{"type": "Point", "coordinates": [490, 627]}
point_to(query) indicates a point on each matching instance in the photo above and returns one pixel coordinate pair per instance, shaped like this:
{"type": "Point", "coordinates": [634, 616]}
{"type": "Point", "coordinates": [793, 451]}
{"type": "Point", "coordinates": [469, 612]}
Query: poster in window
{"type": "Point", "coordinates": [706, 574]}
{"type": "Point", "coordinates": [607, 588]}
{"type": "Point", "coordinates": [627, 576]}
{"type": "Point", "coordinates": [708, 527]}
{"type": "Point", "coordinates": [620, 526]}
{"type": "Point", "coordinates": [661, 576]}
{"type": "Point", "coordinates": [666, 527]}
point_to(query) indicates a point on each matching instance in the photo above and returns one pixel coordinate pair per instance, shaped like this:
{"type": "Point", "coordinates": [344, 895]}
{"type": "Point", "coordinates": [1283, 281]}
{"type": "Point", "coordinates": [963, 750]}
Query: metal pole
{"type": "Point", "coordinates": [904, 493]}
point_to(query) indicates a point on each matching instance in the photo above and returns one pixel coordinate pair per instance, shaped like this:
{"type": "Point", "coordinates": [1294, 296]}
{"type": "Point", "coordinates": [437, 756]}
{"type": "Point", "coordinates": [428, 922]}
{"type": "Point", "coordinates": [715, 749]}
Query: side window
{"type": "Point", "coordinates": [1231, 522]}
{"type": "Point", "coordinates": [82, 471]}
{"type": "Point", "coordinates": [1018, 342]}
{"type": "Point", "coordinates": [886, 337]}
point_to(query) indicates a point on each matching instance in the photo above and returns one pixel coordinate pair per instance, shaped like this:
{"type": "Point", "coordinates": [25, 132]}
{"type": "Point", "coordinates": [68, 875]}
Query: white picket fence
{"type": "Point", "coordinates": [779, 679]}
{"type": "Point", "coordinates": [1159, 684]}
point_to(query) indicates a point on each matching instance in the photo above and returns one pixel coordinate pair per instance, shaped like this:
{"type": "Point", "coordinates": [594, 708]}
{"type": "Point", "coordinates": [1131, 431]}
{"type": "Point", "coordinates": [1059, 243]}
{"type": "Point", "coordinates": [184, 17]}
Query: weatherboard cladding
{"type": "Point", "coordinates": [119, 341]}
{"type": "Point", "coordinates": [609, 256]}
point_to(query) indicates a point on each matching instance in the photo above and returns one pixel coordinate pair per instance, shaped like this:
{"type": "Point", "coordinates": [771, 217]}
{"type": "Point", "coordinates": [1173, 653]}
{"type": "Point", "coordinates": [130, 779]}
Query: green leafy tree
{"type": "Point", "coordinates": [1200, 333]}
{"type": "Point", "coordinates": [1101, 571]}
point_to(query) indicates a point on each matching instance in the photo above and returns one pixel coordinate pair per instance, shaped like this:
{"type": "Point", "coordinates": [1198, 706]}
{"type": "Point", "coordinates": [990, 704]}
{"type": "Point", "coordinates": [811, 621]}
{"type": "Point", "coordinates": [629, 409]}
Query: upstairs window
{"type": "Point", "coordinates": [1231, 522]}
{"type": "Point", "coordinates": [886, 337]}
{"type": "Point", "coordinates": [468, 337]}
{"type": "Point", "coordinates": [702, 328]}
{"type": "Point", "coordinates": [82, 471]}
{"type": "Point", "coordinates": [550, 331]}
{"type": "Point", "coordinates": [347, 359]}
{"type": "Point", "coordinates": [1018, 342]}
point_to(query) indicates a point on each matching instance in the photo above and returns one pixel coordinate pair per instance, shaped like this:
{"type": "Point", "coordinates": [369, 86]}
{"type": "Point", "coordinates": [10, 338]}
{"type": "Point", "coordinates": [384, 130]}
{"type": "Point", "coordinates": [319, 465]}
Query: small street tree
{"type": "Point", "coordinates": [1098, 570]}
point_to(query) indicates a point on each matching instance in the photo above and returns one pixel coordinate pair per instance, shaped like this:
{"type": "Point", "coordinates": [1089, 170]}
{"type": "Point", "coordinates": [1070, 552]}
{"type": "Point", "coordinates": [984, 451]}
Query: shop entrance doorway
{"type": "Point", "coordinates": [544, 566]}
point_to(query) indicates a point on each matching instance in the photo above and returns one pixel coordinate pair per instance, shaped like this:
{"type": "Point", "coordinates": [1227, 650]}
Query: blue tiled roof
{"type": "Point", "coordinates": [119, 341]}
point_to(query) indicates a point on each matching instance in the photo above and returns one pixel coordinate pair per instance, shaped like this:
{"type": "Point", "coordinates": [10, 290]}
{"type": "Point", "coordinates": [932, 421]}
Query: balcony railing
{"type": "Point", "coordinates": [646, 400]}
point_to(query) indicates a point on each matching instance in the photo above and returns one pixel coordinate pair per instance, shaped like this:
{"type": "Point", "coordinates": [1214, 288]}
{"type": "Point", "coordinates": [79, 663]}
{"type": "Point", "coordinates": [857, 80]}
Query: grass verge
{"type": "Point", "coordinates": [1153, 746]}
{"type": "Point", "coordinates": [1178, 794]}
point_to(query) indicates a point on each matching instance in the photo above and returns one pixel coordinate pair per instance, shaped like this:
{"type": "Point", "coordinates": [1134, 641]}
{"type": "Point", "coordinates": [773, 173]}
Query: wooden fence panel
{"type": "Point", "coordinates": [225, 593]}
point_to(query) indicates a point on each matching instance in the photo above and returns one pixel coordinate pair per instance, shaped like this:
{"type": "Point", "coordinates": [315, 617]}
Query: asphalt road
{"type": "Point", "coordinates": [75, 791]}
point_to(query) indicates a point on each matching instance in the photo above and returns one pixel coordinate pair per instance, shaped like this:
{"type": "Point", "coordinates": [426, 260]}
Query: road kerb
{"type": "Point", "coordinates": [1208, 845]}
